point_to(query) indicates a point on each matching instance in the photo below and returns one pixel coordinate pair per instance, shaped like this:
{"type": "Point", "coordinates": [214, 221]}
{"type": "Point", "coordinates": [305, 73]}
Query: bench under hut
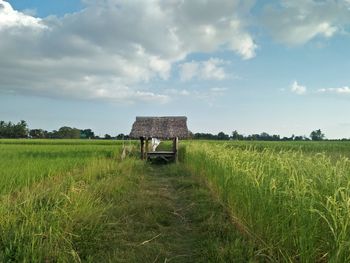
{"type": "Point", "coordinates": [164, 128]}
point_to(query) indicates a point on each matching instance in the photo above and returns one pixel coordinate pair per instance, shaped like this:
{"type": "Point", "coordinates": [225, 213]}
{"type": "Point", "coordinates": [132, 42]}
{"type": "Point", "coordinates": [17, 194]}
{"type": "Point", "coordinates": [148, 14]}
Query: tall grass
{"type": "Point", "coordinates": [65, 201]}
{"type": "Point", "coordinates": [80, 203]}
{"type": "Point", "coordinates": [68, 218]}
{"type": "Point", "coordinates": [335, 149]}
{"type": "Point", "coordinates": [61, 203]}
{"type": "Point", "coordinates": [296, 206]}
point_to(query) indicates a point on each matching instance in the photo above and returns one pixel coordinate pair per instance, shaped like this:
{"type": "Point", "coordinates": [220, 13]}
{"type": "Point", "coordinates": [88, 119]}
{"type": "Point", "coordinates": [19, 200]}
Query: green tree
{"type": "Point", "coordinates": [87, 134]}
{"type": "Point", "coordinates": [223, 136]}
{"type": "Point", "coordinates": [122, 136]}
{"type": "Point", "coordinates": [236, 135]}
{"type": "Point", "coordinates": [37, 133]}
{"type": "Point", "coordinates": [317, 135]}
{"type": "Point", "coordinates": [11, 130]}
{"type": "Point", "coordinates": [68, 133]}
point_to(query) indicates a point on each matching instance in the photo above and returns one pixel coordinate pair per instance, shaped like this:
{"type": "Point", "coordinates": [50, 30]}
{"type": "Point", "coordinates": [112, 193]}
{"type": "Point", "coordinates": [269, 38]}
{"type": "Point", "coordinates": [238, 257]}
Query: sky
{"type": "Point", "coordinates": [280, 67]}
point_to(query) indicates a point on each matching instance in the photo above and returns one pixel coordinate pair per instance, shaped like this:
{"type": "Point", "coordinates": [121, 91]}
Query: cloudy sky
{"type": "Point", "coordinates": [274, 66]}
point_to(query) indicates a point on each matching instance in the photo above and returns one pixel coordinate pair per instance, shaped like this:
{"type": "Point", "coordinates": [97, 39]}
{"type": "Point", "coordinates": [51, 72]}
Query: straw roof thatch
{"type": "Point", "coordinates": [160, 127]}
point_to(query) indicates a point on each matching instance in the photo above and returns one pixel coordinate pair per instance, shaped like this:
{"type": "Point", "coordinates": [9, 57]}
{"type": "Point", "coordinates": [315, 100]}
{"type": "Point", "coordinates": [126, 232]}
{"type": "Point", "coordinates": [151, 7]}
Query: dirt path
{"type": "Point", "coordinates": [173, 218]}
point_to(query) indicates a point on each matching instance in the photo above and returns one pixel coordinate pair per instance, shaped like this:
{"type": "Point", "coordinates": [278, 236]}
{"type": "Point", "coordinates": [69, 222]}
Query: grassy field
{"type": "Point", "coordinates": [26, 161]}
{"type": "Point", "coordinates": [79, 201]}
{"type": "Point", "coordinates": [53, 193]}
{"type": "Point", "coordinates": [293, 200]}
{"type": "Point", "coordinates": [334, 149]}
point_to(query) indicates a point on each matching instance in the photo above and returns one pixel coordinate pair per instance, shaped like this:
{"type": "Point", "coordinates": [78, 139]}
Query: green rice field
{"type": "Point", "coordinates": [292, 199]}
{"type": "Point", "coordinates": [232, 201]}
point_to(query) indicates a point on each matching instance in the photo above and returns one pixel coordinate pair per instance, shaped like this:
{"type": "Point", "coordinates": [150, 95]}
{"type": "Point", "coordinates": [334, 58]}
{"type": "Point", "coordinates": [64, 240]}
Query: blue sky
{"type": "Point", "coordinates": [254, 66]}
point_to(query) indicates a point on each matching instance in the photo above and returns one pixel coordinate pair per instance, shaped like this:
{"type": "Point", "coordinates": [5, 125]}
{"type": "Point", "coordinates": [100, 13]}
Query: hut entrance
{"type": "Point", "coordinates": [165, 128]}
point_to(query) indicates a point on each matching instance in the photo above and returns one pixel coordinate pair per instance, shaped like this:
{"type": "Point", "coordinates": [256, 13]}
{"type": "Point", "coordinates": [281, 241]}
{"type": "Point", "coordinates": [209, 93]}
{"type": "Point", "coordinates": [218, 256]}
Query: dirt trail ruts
{"type": "Point", "coordinates": [176, 219]}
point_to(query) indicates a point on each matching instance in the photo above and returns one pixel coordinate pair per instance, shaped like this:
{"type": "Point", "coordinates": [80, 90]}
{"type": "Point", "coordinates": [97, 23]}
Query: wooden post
{"type": "Point", "coordinates": [175, 147]}
{"type": "Point", "coordinates": [142, 147]}
{"type": "Point", "coordinates": [147, 146]}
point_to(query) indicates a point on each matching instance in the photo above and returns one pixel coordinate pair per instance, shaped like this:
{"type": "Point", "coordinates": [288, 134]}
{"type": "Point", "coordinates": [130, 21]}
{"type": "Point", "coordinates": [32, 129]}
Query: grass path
{"type": "Point", "coordinates": [125, 211]}
{"type": "Point", "coordinates": [173, 218]}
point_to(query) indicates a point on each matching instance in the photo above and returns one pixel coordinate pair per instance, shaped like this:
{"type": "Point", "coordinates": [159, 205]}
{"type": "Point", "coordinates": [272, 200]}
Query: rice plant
{"type": "Point", "coordinates": [56, 200]}
{"type": "Point", "coordinates": [76, 201]}
{"type": "Point", "coordinates": [295, 205]}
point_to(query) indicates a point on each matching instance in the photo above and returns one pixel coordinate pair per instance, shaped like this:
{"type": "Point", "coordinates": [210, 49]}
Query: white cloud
{"type": "Point", "coordinates": [297, 88]}
{"type": "Point", "coordinates": [209, 96]}
{"type": "Point", "coordinates": [189, 70]}
{"type": "Point", "coordinates": [111, 47]}
{"type": "Point", "coordinates": [339, 91]}
{"type": "Point", "coordinates": [217, 89]}
{"type": "Point", "coordinates": [296, 22]}
{"type": "Point", "coordinates": [206, 70]}
{"type": "Point", "coordinates": [212, 70]}
{"type": "Point", "coordinates": [11, 18]}
{"type": "Point", "coordinates": [162, 67]}
{"type": "Point", "coordinates": [177, 92]}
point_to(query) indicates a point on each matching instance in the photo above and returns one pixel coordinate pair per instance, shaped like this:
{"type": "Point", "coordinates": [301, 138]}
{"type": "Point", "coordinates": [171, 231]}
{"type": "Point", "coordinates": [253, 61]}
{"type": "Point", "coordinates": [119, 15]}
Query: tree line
{"type": "Point", "coordinates": [316, 135]}
{"type": "Point", "coordinates": [21, 130]}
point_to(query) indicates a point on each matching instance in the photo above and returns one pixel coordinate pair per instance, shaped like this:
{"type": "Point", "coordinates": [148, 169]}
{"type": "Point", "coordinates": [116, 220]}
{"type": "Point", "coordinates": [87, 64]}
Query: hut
{"type": "Point", "coordinates": [146, 128]}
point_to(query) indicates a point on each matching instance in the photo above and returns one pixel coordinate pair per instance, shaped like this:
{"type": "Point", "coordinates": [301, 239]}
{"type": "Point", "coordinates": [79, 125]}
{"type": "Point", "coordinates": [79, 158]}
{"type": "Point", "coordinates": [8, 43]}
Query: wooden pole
{"type": "Point", "coordinates": [142, 147]}
{"type": "Point", "coordinates": [175, 147]}
{"type": "Point", "coordinates": [147, 146]}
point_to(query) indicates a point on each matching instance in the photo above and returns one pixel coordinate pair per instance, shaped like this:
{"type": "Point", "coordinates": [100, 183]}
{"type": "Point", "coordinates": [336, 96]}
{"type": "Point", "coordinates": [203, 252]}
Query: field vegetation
{"type": "Point", "coordinates": [56, 199]}
{"type": "Point", "coordinates": [91, 201]}
{"type": "Point", "coordinates": [292, 199]}
{"type": "Point", "coordinates": [336, 149]}
{"type": "Point", "coordinates": [233, 201]}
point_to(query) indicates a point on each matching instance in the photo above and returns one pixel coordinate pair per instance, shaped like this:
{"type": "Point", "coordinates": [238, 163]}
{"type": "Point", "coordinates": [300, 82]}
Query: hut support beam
{"type": "Point", "coordinates": [175, 147]}
{"type": "Point", "coordinates": [142, 140]}
{"type": "Point", "coordinates": [147, 148]}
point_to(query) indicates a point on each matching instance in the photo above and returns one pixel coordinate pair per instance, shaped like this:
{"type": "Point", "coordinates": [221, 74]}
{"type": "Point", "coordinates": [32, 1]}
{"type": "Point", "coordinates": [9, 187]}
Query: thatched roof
{"type": "Point", "coordinates": [160, 127]}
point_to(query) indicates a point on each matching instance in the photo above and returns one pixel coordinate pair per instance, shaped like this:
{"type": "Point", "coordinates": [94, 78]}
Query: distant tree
{"type": "Point", "coordinates": [11, 130]}
{"type": "Point", "coordinates": [204, 136]}
{"type": "Point", "coordinates": [253, 137]}
{"type": "Point", "coordinates": [317, 135]}
{"type": "Point", "coordinates": [107, 137]}
{"type": "Point", "coordinates": [120, 136]}
{"type": "Point", "coordinates": [2, 129]}
{"type": "Point", "coordinates": [276, 137]}
{"type": "Point", "coordinates": [68, 133]}
{"type": "Point", "coordinates": [5, 129]}
{"type": "Point", "coordinates": [21, 130]}
{"type": "Point", "coordinates": [264, 136]}
{"type": "Point", "coordinates": [236, 136]}
{"type": "Point", "coordinates": [38, 134]}
{"type": "Point", "coordinates": [87, 134]}
{"type": "Point", "coordinates": [223, 136]}
{"type": "Point", "coordinates": [53, 135]}
{"type": "Point", "coordinates": [298, 138]}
